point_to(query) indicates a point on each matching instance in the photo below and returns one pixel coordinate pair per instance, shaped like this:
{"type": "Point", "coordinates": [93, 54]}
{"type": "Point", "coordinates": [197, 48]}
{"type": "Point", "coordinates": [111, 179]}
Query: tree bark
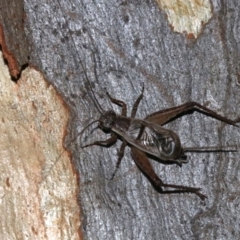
{"type": "Point", "coordinates": [13, 40]}
{"type": "Point", "coordinates": [121, 46]}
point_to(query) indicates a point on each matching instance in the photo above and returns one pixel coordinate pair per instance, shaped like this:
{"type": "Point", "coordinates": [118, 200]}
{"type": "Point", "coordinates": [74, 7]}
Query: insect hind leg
{"type": "Point", "coordinates": [163, 116]}
{"type": "Point", "coordinates": [143, 163]}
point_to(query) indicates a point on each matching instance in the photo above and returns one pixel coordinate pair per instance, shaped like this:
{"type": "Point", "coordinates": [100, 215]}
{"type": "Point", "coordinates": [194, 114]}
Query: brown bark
{"type": "Point", "coordinates": [13, 40]}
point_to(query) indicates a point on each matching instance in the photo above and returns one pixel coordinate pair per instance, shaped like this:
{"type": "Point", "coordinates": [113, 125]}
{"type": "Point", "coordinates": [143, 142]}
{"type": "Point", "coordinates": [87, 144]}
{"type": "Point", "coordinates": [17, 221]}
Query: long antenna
{"type": "Point", "coordinates": [80, 134]}
{"type": "Point", "coordinates": [92, 95]}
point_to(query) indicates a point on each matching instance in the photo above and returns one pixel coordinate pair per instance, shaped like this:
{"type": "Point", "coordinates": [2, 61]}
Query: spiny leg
{"type": "Point", "coordinates": [135, 106]}
{"type": "Point", "coordinates": [119, 103]}
{"type": "Point", "coordinates": [166, 115]}
{"type": "Point", "coordinates": [104, 143]}
{"type": "Point", "coordinates": [145, 166]}
{"type": "Point", "coordinates": [120, 156]}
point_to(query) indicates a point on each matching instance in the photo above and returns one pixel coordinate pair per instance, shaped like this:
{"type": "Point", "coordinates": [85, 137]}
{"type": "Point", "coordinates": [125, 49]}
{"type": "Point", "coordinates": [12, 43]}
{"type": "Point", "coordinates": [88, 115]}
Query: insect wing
{"type": "Point", "coordinates": [153, 139]}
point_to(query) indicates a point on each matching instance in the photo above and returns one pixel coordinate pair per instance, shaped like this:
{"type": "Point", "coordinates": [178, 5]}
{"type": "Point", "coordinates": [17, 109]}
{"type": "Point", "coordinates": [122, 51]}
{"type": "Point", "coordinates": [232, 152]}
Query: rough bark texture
{"type": "Point", "coordinates": [13, 40]}
{"type": "Point", "coordinates": [123, 44]}
{"type": "Point", "coordinates": [38, 189]}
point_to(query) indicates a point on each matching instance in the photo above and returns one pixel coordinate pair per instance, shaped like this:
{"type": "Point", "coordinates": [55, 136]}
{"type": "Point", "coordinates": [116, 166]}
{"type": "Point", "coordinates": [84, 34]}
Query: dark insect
{"type": "Point", "coordinates": [147, 138]}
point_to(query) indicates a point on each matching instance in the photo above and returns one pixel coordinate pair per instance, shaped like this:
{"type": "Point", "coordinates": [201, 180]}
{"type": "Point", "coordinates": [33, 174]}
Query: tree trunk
{"type": "Point", "coordinates": [89, 46]}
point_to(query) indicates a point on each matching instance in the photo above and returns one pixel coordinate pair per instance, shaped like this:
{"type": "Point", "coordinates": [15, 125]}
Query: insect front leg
{"type": "Point", "coordinates": [135, 106]}
{"type": "Point", "coordinates": [104, 143]}
{"type": "Point", "coordinates": [166, 115]}
{"type": "Point", "coordinates": [146, 168]}
{"type": "Point", "coordinates": [119, 103]}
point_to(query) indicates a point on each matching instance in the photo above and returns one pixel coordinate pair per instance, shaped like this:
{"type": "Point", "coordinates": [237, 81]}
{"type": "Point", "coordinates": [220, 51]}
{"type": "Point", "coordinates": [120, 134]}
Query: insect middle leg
{"type": "Point", "coordinates": [124, 143]}
{"type": "Point", "coordinates": [120, 156]}
{"type": "Point", "coordinates": [146, 168]}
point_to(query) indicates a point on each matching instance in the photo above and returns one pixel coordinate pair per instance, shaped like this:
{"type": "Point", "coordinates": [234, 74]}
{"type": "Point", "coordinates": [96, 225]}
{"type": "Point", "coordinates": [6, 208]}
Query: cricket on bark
{"type": "Point", "coordinates": [148, 138]}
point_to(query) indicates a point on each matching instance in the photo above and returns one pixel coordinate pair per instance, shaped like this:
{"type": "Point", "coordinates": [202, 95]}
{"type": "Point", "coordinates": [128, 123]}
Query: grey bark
{"type": "Point", "coordinates": [125, 44]}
